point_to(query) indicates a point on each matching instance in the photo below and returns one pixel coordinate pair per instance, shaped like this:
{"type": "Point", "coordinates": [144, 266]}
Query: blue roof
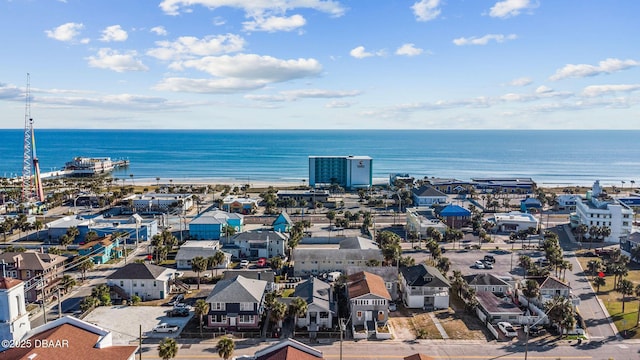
{"type": "Point", "coordinates": [454, 210]}
{"type": "Point", "coordinates": [531, 203]}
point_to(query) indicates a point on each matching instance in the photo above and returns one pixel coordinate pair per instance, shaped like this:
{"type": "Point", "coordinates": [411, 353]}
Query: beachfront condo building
{"type": "Point", "coordinates": [350, 172]}
{"type": "Point", "coordinates": [599, 209]}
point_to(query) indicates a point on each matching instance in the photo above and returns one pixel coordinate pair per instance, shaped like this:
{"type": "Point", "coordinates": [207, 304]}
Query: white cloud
{"type": "Point", "coordinates": [114, 33]}
{"type": "Point", "coordinates": [116, 61]}
{"type": "Point", "coordinates": [293, 95]}
{"type": "Point", "coordinates": [583, 70]}
{"type": "Point", "coordinates": [253, 7]}
{"type": "Point", "coordinates": [208, 86]}
{"type": "Point", "coordinates": [66, 32]}
{"type": "Point", "coordinates": [426, 10]}
{"type": "Point", "coordinates": [255, 67]}
{"type": "Point", "coordinates": [159, 30]}
{"type": "Point", "coordinates": [338, 104]}
{"type": "Point", "coordinates": [509, 8]}
{"type": "Point", "coordinates": [499, 38]}
{"type": "Point", "coordinates": [408, 50]}
{"type": "Point", "coordinates": [523, 81]}
{"type": "Point", "coordinates": [360, 53]}
{"type": "Point", "coordinates": [187, 47]}
{"type": "Point", "coordinates": [597, 90]}
{"type": "Point", "coordinates": [275, 23]}
{"type": "Point", "coordinates": [542, 89]}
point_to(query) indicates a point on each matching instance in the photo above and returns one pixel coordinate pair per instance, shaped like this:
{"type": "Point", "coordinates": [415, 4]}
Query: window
{"type": "Point", "coordinates": [142, 284]}
{"type": "Point", "coordinates": [246, 319]}
{"type": "Point", "coordinates": [359, 314]}
{"type": "Point", "coordinates": [135, 283]}
{"type": "Point", "coordinates": [324, 315]}
{"type": "Point", "coordinates": [217, 306]}
{"type": "Point", "coordinates": [389, 285]}
{"type": "Point", "coordinates": [246, 306]}
{"type": "Point", "coordinates": [121, 283]}
{"type": "Point", "coordinates": [155, 283]}
{"type": "Point", "coordinates": [219, 319]}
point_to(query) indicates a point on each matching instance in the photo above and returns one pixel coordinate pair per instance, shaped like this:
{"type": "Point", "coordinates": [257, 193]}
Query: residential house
{"type": "Point", "coordinates": [368, 302]}
{"type": "Point", "coordinates": [455, 216]}
{"type": "Point", "coordinates": [282, 223]}
{"type": "Point", "coordinates": [388, 273]}
{"type": "Point", "coordinates": [155, 202]}
{"type": "Point", "coordinates": [257, 244]}
{"type": "Point", "coordinates": [261, 274]}
{"type": "Point", "coordinates": [288, 349]}
{"type": "Point", "coordinates": [420, 219]}
{"type": "Point", "coordinates": [315, 259]}
{"type": "Point", "coordinates": [236, 304]}
{"type": "Point", "coordinates": [204, 248]}
{"type": "Point", "coordinates": [147, 281]}
{"type": "Point", "coordinates": [41, 272]}
{"type": "Point", "coordinates": [102, 250]}
{"type": "Point", "coordinates": [550, 288]}
{"type": "Point", "coordinates": [494, 309]}
{"type": "Point", "coordinates": [210, 225]}
{"type": "Point", "coordinates": [320, 306]}
{"type": "Point", "coordinates": [138, 228]}
{"type": "Point", "coordinates": [489, 283]}
{"type": "Point", "coordinates": [71, 338]}
{"type": "Point", "coordinates": [245, 206]}
{"type": "Point", "coordinates": [627, 245]}
{"type": "Point", "coordinates": [14, 317]}
{"type": "Point", "coordinates": [424, 286]}
{"type": "Point", "coordinates": [310, 196]}
{"type": "Point", "coordinates": [428, 196]}
{"type": "Point", "coordinates": [567, 202]}
{"type": "Point", "coordinates": [599, 209]}
{"type": "Point", "coordinates": [529, 203]}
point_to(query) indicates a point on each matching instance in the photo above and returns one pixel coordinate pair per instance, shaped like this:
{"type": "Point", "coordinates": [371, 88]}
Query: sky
{"type": "Point", "coordinates": [320, 64]}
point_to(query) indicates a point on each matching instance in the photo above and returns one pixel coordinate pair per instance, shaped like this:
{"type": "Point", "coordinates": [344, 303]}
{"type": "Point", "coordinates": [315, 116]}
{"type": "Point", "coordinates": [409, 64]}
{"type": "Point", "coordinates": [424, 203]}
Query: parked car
{"type": "Point", "coordinates": [181, 312]}
{"type": "Point", "coordinates": [244, 263]}
{"type": "Point", "coordinates": [489, 258]}
{"type": "Point", "coordinates": [507, 329]}
{"type": "Point", "coordinates": [164, 327]}
{"type": "Point", "coordinates": [488, 265]}
{"type": "Point", "coordinates": [180, 305]}
{"type": "Point", "coordinates": [262, 262]}
{"type": "Point", "coordinates": [176, 299]}
{"type": "Point", "coordinates": [478, 264]}
{"type": "Point", "coordinates": [392, 306]}
{"type": "Point", "coordinates": [537, 331]}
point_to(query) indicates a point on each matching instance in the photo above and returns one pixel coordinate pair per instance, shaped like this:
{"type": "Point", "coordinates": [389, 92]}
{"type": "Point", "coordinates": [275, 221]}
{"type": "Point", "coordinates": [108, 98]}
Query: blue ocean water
{"type": "Point", "coordinates": [549, 157]}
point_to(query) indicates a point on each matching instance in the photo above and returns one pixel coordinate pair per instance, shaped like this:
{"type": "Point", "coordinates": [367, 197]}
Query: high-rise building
{"type": "Point", "coordinates": [350, 172]}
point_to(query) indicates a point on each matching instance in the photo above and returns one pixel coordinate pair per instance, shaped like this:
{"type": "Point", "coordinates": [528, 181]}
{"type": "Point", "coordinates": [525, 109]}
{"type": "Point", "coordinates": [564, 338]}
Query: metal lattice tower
{"type": "Point", "coordinates": [27, 161]}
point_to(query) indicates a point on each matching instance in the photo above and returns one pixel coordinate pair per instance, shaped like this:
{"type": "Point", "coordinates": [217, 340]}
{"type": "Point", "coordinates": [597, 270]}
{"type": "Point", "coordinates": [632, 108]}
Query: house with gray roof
{"type": "Point", "coordinates": [148, 281]}
{"type": "Point", "coordinates": [261, 274]}
{"type": "Point", "coordinates": [428, 196]}
{"type": "Point", "coordinates": [257, 244]}
{"type": "Point", "coordinates": [315, 259]}
{"type": "Point", "coordinates": [488, 282]}
{"type": "Point", "coordinates": [497, 309]}
{"type": "Point", "coordinates": [424, 286]}
{"type": "Point", "coordinates": [320, 305]}
{"type": "Point", "coordinates": [204, 248]}
{"type": "Point", "coordinates": [236, 304]}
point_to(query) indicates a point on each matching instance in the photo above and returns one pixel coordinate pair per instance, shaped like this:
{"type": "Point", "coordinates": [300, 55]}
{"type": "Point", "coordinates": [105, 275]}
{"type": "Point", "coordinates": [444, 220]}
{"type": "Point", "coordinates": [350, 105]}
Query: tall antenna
{"type": "Point", "coordinates": [27, 161]}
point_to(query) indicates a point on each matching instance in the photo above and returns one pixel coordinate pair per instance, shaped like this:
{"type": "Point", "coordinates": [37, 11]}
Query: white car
{"type": "Point", "coordinates": [164, 327]}
{"type": "Point", "coordinates": [244, 263]}
{"type": "Point", "coordinates": [507, 329]}
{"type": "Point", "coordinates": [478, 264]}
{"type": "Point", "coordinates": [392, 306]}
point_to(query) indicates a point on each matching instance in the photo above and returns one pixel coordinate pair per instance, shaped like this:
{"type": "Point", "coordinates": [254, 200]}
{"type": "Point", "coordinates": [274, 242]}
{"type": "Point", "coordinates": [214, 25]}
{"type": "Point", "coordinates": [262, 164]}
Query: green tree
{"type": "Point", "coordinates": [331, 215]}
{"type": "Point", "coordinates": [167, 349]}
{"type": "Point", "coordinates": [201, 308]}
{"type": "Point", "coordinates": [297, 309]}
{"type": "Point", "coordinates": [225, 347]}
{"type": "Point", "coordinates": [102, 293]}
{"type": "Point", "coordinates": [216, 260]}
{"type": "Point", "coordinates": [89, 303]}
{"type": "Point", "coordinates": [560, 311]}
{"type": "Point", "coordinates": [625, 288]}
{"type": "Point", "coordinates": [278, 312]}
{"type": "Point", "coordinates": [276, 263]}
{"type": "Point", "coordinates": [37, 226]}
{"type": "Point", "coordinates": [598, 282]}
{"type": "Point", "coordinates": [67, 282]}
{"type": "Point", "coordinates": [594, 267]}
{"type": "Point", "coordinates": [636, 291]}
{"type": "Point", "coordinates": [531, 291]}
{"type": "Point", "coordinates": [198, 265]}
{"type": "Point", "coordinates": [84, 266]}
{"type": "Point", "coordinates": [90, 236]}
{"type": "Point", "coordinates": [73, 232]}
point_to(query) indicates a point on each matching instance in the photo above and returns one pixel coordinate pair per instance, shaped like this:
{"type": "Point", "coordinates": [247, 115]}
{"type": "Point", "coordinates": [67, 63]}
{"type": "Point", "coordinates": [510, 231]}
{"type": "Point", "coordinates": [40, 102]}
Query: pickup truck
{"type": "Point", "coordinates": [168, 328]}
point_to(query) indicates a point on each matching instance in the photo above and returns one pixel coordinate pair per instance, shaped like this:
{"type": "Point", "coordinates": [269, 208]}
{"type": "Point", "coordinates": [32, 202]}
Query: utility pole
{"type": "Point", "coordinates": [59, 304]}
{"type": "Point", "coordinates": [140, 343]}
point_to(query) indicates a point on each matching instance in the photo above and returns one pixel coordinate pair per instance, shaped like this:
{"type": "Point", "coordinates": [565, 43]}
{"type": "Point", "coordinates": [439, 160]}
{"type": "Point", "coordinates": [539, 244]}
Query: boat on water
{"type": "Point", "coordinates": [87, 166]}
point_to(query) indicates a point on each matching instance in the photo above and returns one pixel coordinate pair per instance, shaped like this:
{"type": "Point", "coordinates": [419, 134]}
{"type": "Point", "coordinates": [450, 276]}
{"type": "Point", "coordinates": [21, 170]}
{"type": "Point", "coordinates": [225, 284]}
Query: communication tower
{"type": "Point", "coordinates": [30, 183]}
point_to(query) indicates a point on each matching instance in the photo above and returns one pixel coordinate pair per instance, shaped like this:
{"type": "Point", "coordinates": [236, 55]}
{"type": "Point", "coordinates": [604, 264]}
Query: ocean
{"type": "Point", "coordinates": [551, 157]}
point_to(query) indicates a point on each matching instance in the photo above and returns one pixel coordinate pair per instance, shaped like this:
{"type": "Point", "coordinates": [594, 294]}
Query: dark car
{"type": "Point", "coordinates": [489, 258]}
{"type": "Point", "coordinates": [181, 312]}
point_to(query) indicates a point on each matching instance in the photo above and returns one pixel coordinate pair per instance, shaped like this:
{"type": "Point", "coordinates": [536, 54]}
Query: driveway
{"type": "Point", "coordinates": [125, 321]}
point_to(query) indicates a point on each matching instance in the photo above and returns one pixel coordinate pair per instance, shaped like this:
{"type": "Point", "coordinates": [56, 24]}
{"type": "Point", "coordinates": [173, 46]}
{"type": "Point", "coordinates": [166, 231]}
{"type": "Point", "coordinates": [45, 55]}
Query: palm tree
{"type": "Point", "coordinates": [37, 226]}
{"type": "Point", "coordinates": [201, 308]}
{"type": "Point", "coordinates": [457, 282]}
{"type": "Point", "coordinates": [637, 293]}
{"type": "Point", "coordinates": [605, 232]}
{"type": "Point", "coordinates": [531, 291]}
{"type": "Point", "coordinates": [594, 266]}
{"type": "Point", "coordinates": [297, 309]}
{"type": "Point", "coordinates": [564, 266]}
{"type": "Point", "coordinates": [599, 281]}
{"type": "Point", "coordinates": [625, 288]}
{"type": "Point", "coordinates": [198, 265]}
{"type": "Point", "coordinates": [167, 349]}
{"type": "Point", "coordinates": [225, 347]}
{"type": "Point", "coordinates": [331, 215]}
{"type": "Point", "coordinates": [215, 260]}
{"type": "Point", "coordinates": [278, 312]}
{"type": "Point", "coordinates": [85, 266]}
{"type": "Point", "coordinates": [581, 230]}
{"type": "Point", "coordinates": [635, 253]}
{"type": "Point", "coordinates": [73, 232]}
{"type": "Point", "coordinates": [67, 282]}
{"type": "Point", "coordinates": [560, 311]}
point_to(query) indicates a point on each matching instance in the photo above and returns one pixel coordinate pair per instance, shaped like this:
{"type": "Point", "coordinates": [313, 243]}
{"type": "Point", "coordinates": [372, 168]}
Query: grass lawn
{"type": "Point", "coordinates": [626, 322]}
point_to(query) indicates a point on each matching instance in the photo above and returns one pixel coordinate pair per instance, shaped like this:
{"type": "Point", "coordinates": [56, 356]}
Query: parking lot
{"type": "Point", "coordinates": [125, 321]}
